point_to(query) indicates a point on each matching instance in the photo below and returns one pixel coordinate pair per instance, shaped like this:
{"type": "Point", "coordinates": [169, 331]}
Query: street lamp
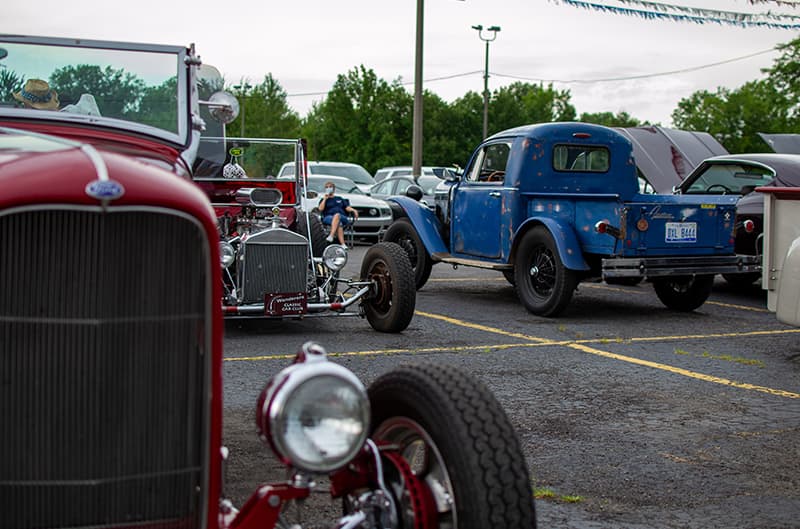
{"type": "Point", "coordinates": [487, 40]}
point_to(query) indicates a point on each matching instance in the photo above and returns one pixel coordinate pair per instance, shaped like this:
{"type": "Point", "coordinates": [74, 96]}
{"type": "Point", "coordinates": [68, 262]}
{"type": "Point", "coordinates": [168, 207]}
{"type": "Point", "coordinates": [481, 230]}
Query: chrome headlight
{"type": "Point", "coordinates": [226, 254]}
{"type": "Point", "coordinates": [335, 257]}
{"type": "Point", "coordinates": [314, 414]}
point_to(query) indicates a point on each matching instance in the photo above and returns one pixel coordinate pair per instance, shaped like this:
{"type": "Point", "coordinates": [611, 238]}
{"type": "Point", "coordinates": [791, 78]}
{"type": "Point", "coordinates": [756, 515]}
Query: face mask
{"type": "Point", "coordinates": [328, 190]}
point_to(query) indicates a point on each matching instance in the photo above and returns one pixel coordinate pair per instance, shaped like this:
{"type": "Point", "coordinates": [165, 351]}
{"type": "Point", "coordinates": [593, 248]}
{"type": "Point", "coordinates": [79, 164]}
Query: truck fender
{"type": "Point", "coordinates": [424, 221]}
{"type": "Point", "coordinates": [569, 249]}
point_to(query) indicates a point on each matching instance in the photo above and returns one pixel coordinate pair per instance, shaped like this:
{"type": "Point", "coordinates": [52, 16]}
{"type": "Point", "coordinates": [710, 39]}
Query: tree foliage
{"type": "Point", "coordinates": [265, 111]}
{"type": "Point", "coordinates": [364, 120]}
{"type": "Point", "coordinates": [609, 119]}
{"type": "Point", "coordinates": [119, 91]}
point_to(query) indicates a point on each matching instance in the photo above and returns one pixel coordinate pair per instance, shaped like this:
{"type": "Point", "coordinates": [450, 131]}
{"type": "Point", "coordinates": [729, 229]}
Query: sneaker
{"type": "Point", "coordinates": [329, 238]}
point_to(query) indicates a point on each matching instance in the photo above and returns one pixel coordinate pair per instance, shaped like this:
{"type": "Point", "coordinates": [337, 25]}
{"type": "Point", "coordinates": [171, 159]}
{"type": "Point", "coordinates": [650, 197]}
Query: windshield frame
{"type": "Point", "coordinates": [184, 59]}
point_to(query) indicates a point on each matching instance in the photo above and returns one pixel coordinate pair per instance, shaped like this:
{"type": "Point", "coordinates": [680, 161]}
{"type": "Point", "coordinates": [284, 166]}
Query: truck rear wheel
{"type": "Point", "coordinates": [544, 285]}
{"type": "Point", "coordinates": [683, 293]}
{"type": "Point", "coordinates": [390, 305]}
{"type": "Point", "coordinates": [402, 232]}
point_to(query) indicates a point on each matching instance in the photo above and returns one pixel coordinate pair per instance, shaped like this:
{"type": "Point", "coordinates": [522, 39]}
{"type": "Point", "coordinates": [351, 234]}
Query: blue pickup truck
{"type": "Point", "coordinates": [550, 205]}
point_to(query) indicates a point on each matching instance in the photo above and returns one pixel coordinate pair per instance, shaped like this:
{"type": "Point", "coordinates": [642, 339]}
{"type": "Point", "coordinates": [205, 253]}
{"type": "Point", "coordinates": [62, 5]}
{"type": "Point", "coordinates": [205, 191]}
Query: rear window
{"type": "Point", "coordinates": [581, 158]}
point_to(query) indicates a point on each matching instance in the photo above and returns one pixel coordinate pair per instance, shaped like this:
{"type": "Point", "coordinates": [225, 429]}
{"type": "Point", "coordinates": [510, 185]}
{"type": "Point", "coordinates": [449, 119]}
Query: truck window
{"type": "Point", "coordinates": [490, 164]}
{"type": "Point", "coordinates": [580, 158]}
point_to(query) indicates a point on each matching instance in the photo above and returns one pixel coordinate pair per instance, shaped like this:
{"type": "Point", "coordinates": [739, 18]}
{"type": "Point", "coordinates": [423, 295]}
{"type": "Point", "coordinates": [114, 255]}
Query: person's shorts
{"type": "Point", "coordinates": [344, 220]}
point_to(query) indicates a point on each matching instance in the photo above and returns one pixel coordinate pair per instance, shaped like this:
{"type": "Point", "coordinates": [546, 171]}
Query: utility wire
{"type": "Point", "coordinates": [570, 81]}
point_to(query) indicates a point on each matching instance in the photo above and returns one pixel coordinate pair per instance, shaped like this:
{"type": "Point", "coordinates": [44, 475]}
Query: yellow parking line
{"type": "Point", "coordinates": [623, 358]}
{"type": "Point", "coordinates": [740, 307]}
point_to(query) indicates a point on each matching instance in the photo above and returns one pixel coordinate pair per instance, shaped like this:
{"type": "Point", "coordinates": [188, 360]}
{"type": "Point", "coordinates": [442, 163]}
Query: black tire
{"type": "Point", "coordinates": [450, 429]}
{"type": "Point", "coordinates": [544, 285]}
{"type": "Point", "coordinates": [683, 293]}
{"type": "Point", "coordinates": [742, 280]}
{"type": "Point", "coordinates": [390, 305]}
{"type": "Point", "coordinates": [509, 275]}
{"type": "Point", "coordinates": [318, 233]}
{"type": "Point", "coordinates": [402, 232]}
{"type": "Point", "coordinates": [624, 281]}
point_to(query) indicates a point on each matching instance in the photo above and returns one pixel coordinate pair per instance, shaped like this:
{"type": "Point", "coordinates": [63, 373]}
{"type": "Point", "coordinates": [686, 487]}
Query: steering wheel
{"type": "Point", "coordinates": [496, 176]}
{"type": "Point", "coordinates": [725, 189]}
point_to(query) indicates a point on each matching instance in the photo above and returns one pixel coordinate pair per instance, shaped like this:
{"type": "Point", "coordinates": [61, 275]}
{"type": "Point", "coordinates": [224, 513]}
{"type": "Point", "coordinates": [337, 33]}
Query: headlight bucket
{"type": "Point", "coordinates": [335, 257]}
{"type": "Point", "coordinates": [314, 414]}
{"type": "Point", "coordinates": [227, 254]}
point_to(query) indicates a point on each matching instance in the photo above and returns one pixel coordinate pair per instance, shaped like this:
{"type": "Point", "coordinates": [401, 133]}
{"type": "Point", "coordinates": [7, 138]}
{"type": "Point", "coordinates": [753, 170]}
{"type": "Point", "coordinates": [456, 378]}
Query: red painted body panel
{"type": "Point", "coordinates": [61, 176]}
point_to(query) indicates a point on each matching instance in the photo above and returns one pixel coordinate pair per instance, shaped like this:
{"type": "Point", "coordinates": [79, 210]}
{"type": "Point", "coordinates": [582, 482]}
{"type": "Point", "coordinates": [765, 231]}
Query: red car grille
{"type": "Point", "coordinates": [104, 368]}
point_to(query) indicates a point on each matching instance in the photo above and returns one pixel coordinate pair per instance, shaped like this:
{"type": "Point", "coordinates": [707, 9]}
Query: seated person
{"type": "Point", "coordinates": [334, 212]}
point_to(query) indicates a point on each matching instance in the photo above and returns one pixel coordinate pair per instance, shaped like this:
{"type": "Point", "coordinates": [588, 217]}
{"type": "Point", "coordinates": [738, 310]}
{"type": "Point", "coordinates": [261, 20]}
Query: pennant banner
{"type": "Point", "coordinates": [689, 14]}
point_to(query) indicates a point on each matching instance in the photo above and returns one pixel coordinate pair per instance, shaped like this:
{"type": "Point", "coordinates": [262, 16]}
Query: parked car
{"type": "Point", "coordinates": [268, 224]}
{"type": "Point", "coordinates": [552, 204]}
{"type": "Point", "coordinates": [111, 333]}
{"type": "Point", "coordinates": [353, 171]}
{"type": "Point", "coordinates": [739, 175]}
{"type": "Point", "coordinates": [374, 214]}
{"type": "Point", "coordinates": [399, 185]}
{"type": "Point", "coordinates": [406, 170]}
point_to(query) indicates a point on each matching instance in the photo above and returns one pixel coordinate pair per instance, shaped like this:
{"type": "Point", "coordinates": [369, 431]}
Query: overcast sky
{"type": "Point", "coordinates": [305, 44]}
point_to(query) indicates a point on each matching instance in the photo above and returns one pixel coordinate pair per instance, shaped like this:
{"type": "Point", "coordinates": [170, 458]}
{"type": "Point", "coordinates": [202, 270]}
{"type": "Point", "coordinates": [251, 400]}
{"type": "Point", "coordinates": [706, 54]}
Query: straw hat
{"type": "Point", "coordinates": [37, 94]}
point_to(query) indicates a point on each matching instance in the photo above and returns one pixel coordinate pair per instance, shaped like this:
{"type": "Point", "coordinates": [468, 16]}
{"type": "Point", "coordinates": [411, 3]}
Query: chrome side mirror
{"type": "Point", "coordinates": [223, 107]}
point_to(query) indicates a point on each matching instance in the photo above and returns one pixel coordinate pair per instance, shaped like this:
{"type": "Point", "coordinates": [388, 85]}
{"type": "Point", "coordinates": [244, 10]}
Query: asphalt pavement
{"type": "Point", "coordinates": [630, 415]}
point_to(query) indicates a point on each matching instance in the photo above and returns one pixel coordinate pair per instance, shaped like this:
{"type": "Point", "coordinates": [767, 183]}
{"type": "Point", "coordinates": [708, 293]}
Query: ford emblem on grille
{"type": "Point", "coordinates": [105, 189]}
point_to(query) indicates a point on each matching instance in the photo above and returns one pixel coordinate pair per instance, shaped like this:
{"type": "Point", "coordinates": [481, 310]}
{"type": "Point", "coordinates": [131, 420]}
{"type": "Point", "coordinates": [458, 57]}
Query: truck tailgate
{"type": "Point", "coordinates": [680, 225]}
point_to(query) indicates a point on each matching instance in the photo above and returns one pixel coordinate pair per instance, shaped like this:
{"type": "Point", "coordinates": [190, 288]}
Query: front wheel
{"type": "Point", "coordinates": [683, 293]}
{"type": "Point", "coordinates": [544, 285]}
{"type": "Point", "coordinates": [459, 454]}
{"type": "Point", "coordinates": [403, 233]}
{"type": "Point", "coordinates": [390, 305]}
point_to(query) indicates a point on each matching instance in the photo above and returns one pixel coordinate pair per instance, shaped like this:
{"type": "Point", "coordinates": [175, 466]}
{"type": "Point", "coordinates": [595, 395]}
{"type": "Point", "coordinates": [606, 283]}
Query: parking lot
{"type": "Point", "coordinates": [630, 415]}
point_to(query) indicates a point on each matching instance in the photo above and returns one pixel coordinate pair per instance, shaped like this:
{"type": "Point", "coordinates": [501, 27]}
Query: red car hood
{"type": "Point", "coordinates": [40, 169]}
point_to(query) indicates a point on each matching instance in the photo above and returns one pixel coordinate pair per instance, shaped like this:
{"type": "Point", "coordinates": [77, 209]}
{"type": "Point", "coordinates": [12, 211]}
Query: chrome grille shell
{"type": "Point", "coordinates": [105, 367]}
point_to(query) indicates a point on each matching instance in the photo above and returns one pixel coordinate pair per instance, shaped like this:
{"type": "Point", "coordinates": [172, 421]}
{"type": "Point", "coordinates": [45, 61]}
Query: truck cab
{"type": "Point", "coordinates": [552, 204]}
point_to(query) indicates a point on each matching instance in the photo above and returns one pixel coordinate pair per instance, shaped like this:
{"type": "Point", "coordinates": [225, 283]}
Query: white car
{"type": "Point", "coordinates": [374, 215]}
{"type": "Point", "coordinates": [353, 171]}
{"type": "Point", "coordinates": [406, 170]}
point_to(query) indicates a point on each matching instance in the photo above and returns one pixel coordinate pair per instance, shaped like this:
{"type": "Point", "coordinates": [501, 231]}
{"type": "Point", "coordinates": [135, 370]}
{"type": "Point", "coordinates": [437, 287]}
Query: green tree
{"type": "Point", "coordinates": [735, 117]}
{"type": "Point", "coordinates": [117, 92]}
{"type": "Point", "coordinates": [609, 119]}
{"type": "Point", "coordinates": [524, 103]}
{"type": "Point", "coordinates": [785, 72]}
{"type": "Point", "coordinates": [265, 111]}
{"type": "Point", "coordinates": [159, 105]}
{"type": "Point", "coordinates": [10, 82]}
{"type": "Point", "coordinates": [363, 119]}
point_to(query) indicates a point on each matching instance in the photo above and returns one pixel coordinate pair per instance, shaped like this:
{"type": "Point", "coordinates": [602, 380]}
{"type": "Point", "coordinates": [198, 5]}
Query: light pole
{"type": "Point", "coordinates": [416, 135]}
{"type": "Point", "coordinates": [487, 40]}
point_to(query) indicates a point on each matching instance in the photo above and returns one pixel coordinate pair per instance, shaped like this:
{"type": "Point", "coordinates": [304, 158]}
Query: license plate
{"type": "Point", "coordinates": [285, 304]}
{"type": "Point", "coordinates": [681, 232]}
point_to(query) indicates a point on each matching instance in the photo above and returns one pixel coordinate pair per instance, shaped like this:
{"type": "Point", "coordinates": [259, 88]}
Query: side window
{"type": "Point", "coordinates": [402, 185]}
{"type": "Point", "coordinates": [490, 164]}
{"type": "Point", "coordinates": [581, 158]}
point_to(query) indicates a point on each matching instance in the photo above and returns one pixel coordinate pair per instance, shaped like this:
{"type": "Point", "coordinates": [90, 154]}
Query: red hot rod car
{"type": "Point", "coordinates": [111, 332]}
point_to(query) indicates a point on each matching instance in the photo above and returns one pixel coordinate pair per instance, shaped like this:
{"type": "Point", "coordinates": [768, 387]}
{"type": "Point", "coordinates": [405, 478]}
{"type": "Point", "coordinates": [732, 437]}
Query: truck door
{"type": "Point", "coordinates": [476, 222]}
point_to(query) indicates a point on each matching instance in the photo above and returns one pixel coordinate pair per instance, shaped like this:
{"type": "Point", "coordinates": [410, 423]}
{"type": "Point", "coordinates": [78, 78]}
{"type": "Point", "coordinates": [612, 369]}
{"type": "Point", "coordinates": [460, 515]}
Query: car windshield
{"type": "Point", "coordinates": [251, 158]}
{"type": "Point", "coordinates": [342, 186]}
{"type": "Point", "coordinates": [730, 178]}
{"type": "Point", "coordinates": [356, 173]}
{"type": "Point", "coordinates": [132, 86]}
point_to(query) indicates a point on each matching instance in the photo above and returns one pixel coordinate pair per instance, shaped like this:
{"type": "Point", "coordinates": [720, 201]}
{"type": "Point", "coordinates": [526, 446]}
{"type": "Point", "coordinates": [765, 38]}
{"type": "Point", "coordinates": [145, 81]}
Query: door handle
{"type": "Point", "coordinates": [494, 194]}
